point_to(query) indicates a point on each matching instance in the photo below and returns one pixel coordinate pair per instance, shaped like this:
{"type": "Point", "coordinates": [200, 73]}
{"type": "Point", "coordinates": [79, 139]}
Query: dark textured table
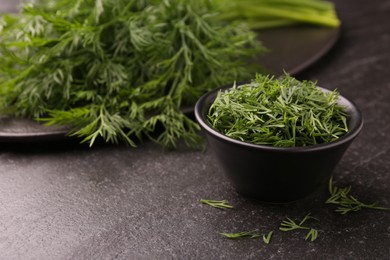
{"type": "Point", "coordinates": [68, 201]}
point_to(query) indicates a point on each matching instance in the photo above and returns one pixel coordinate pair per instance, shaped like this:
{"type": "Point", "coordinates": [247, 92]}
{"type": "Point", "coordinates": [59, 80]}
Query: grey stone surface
{"type": "Point", "coordinates": [68, 201]}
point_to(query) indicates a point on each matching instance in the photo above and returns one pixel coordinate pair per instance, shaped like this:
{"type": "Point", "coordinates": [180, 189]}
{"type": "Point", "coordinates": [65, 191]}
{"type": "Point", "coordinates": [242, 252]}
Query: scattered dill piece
{"type": "Point", "coordinates": [283, 112]}
{"type": "Point", "coordinates": [219, 204]}
{"type": "Point", "coordinates": [288, 225]}
{"type": "Point", "coordinates": [312, 235]}
{"type": "Point", "coordinates": [347, 203]}
{"type": "Point", "coordinates": [241, 235]}
{"type": "Point", "coordinates": [267, 237]}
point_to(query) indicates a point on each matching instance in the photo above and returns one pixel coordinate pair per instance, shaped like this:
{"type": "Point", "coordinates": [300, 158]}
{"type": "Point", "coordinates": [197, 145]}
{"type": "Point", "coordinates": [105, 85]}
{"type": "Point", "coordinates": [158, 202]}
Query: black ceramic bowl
{"type": "Point", "coordinates": [276, 174]}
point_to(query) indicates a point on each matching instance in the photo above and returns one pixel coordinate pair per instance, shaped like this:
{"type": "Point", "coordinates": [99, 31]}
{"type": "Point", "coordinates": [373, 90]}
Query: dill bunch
{"type": "Point", "coordinates": [118, 69]}
{"type": "Point", "coordinates": [280, 112]}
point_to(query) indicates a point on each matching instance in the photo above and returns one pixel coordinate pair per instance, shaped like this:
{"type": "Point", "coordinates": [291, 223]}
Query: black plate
{"type": "Point", "coordinates": [295, 48]}
{"type": "Point", "coordinates": [291, 49]}
{"type": "Point", "coordinates": [27, 130]}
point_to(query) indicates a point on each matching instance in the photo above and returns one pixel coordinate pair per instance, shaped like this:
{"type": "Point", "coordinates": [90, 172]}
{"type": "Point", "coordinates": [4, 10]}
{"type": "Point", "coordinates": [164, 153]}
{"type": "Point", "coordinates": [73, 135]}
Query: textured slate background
{"type": "Point", "coordinates": [66, 201]}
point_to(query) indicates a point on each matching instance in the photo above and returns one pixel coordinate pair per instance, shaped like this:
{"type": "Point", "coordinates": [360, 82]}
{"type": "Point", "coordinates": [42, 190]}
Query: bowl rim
{"type": "Point", "coordinates": [297, 149]}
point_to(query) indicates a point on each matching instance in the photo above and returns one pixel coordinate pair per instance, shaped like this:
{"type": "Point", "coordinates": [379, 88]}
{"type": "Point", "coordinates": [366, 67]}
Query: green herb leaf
{"type": "Point", "coordinates": [267, 238]}
{"type": "Point", "coordinates": [312, 235]}
{"type": "Point", "coordinates": [347, 203]}
{"type": "Point", "coordinates": [219, 204]}
{"type": "Point", "coordinates": [289, 225]}
{"type": "Point", "coordinates": [241, 235]}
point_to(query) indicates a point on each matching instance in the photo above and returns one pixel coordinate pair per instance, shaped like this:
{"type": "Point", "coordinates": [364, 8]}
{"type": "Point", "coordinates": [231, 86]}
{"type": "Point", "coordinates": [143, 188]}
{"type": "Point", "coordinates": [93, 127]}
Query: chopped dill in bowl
{"type": "Point", "coordinates": [282, 112]}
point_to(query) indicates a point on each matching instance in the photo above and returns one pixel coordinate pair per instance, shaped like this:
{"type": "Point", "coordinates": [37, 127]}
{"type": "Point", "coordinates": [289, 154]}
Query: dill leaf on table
{"type": "Point", "coordinates": [267, 237]}
{"type": "Point", "coordinates": [219, 204]}
{"type": "Point", "coordinates": [289, 225]}
{"type": "Point", "coordinates": [241, 235]}
{"type": "Point", "coordinates": [345, 202]}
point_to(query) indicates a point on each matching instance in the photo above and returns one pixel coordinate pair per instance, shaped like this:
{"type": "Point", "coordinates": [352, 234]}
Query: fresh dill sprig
{"type": "Point", "coordinates": [118, 70]}
{"type": "Point", "coordinates": [249, 234]}
{"type": "Point", "coordinates": [279, 112]}
{"type": "Point", "coordinates": [241, 235]}
{"type": "Point", "coordinates": [347, 203]}
{"type": "Point", "coordinates": [288, 225]}
{"type": "Point", "coordinates": [267, 237]}
{"type": "Point", "coordinates": [312, 235]}
{"type": "Point", "coordinates": [219, 204]}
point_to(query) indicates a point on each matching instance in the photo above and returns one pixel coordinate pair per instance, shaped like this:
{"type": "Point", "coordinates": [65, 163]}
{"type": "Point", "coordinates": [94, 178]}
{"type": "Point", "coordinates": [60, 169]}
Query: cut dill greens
{"type": "Point", "coordinates": [347, 203]}
{"type": "Point", "coordinates": [312, 234]}
{"type": "Point", "coordinates": [267, 237]}
{"type": "Point", "coordinates": [249, 234]}
{"type": "Point", "coordinates": [289, 225]}
{"type": "Point", "coordinates": [282, 112]}
{"type": "Point", "coordinates": [241, 235]}
{"type": "Point", "coordinates": [118, 70]}
{"type": "Point", "coordinates": [219, 204]}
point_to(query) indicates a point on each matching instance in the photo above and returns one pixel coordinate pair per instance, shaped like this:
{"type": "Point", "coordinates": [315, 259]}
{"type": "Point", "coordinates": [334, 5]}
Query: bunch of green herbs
{"type": "Point", "coordinates": [118, 69]}
{"type": "Point", "coordinates": [283, 112]}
